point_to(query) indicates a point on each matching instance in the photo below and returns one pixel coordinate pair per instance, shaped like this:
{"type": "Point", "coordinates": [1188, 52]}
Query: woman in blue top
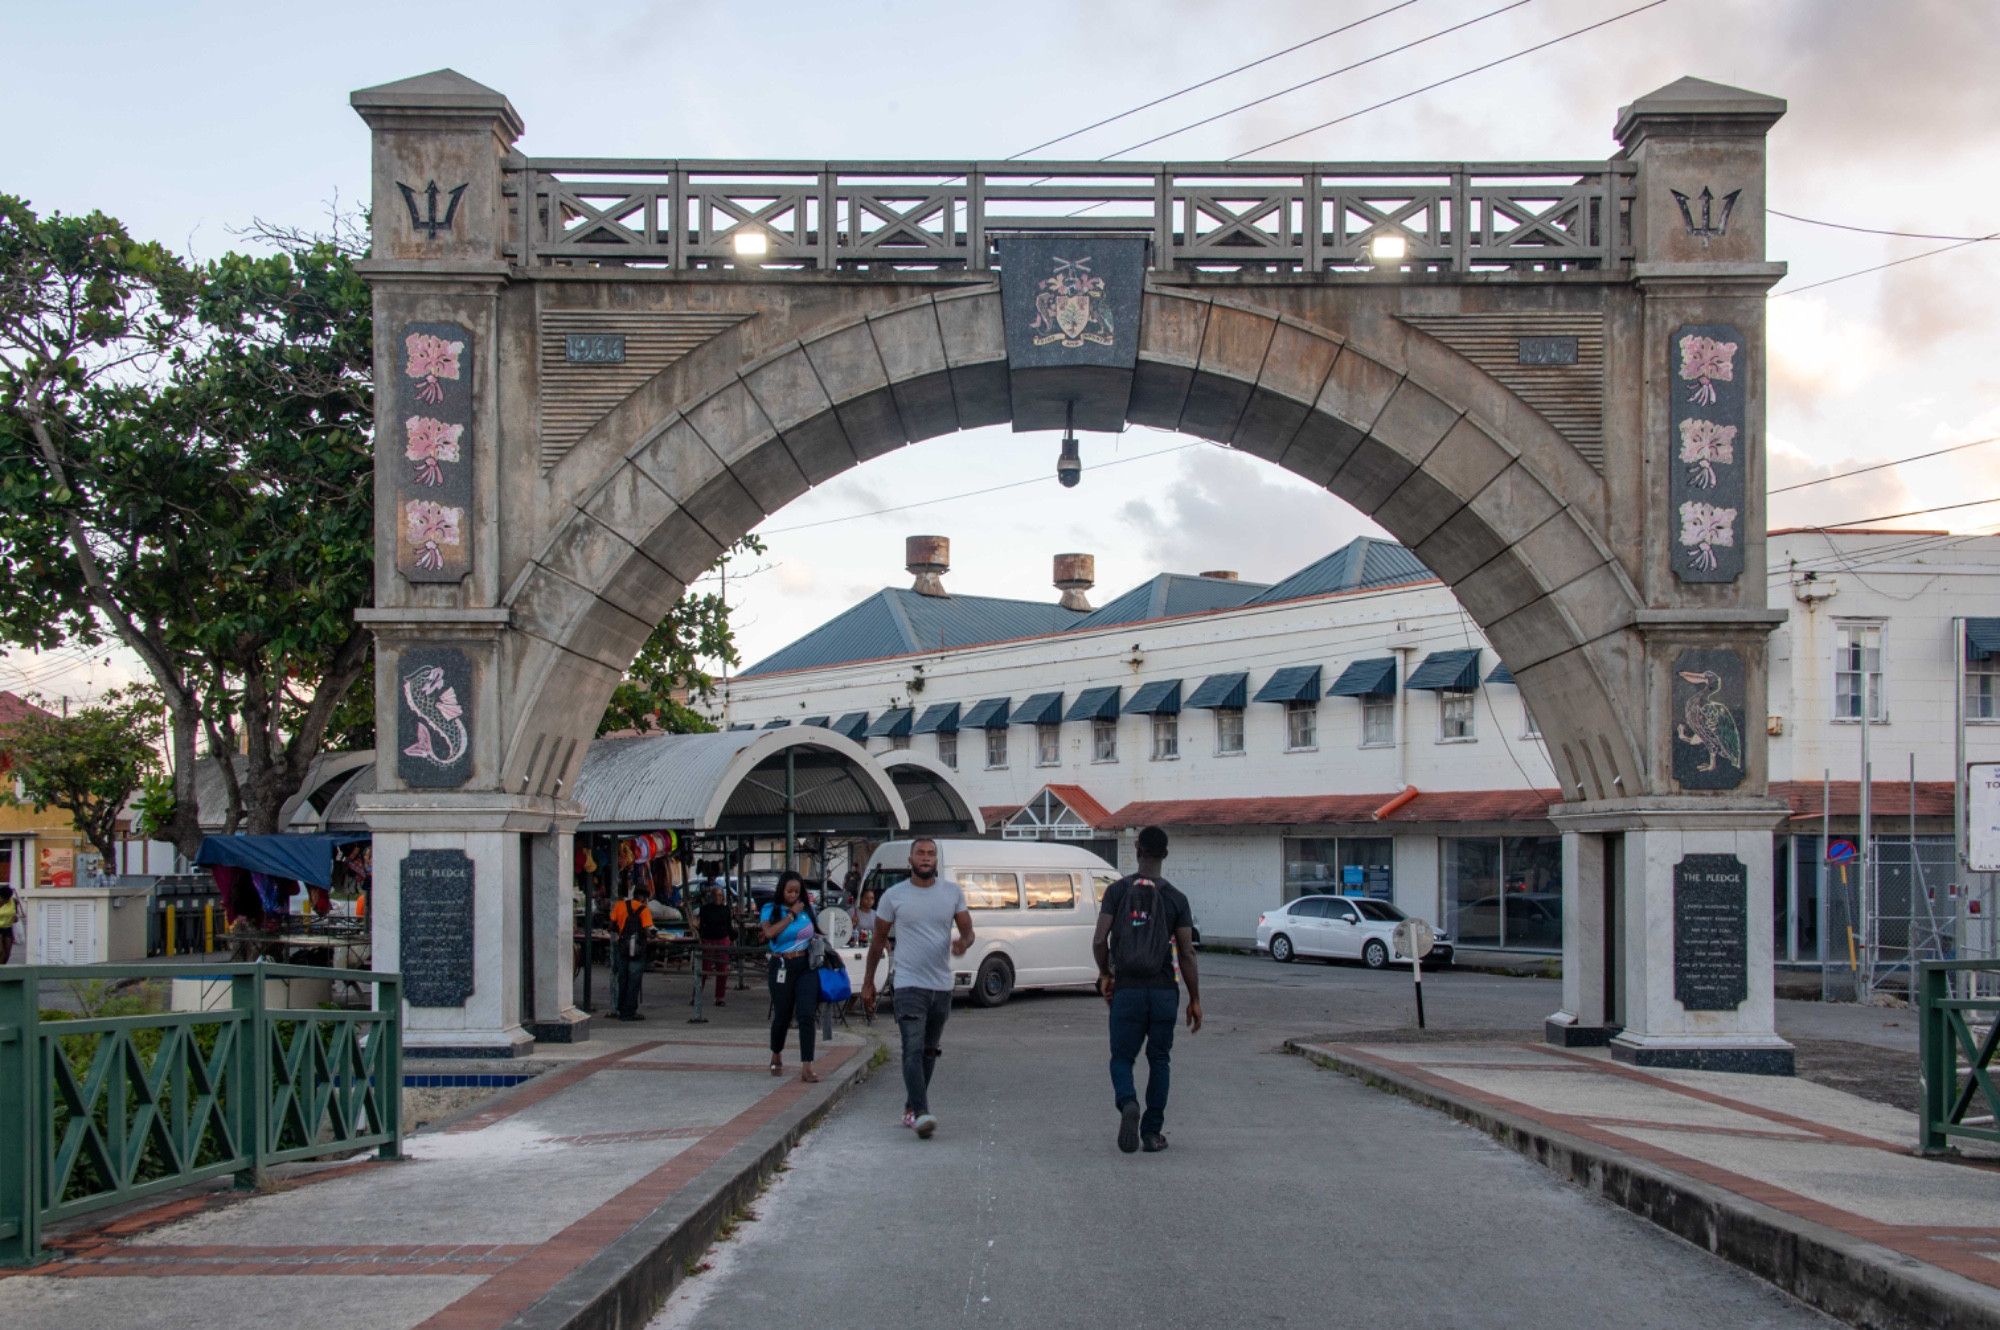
{"type": "Point", "coordinates": [788, 929]}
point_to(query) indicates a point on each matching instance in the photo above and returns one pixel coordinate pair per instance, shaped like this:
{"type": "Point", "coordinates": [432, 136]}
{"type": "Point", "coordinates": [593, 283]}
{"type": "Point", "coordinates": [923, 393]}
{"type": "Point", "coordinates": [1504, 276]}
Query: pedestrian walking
{"type": "Point", "coordinates": [920, 911]}
{"type": "Point", "coordinates": [10, 914]}
{"type": "Point", "coordinates": [631, 927]}
{"type": "Point", "coordinates": [717, 926]}
{"type": "Point", "coordinates": [1144, 922]}
{"type": "Point", "coordinates": [789, 928]}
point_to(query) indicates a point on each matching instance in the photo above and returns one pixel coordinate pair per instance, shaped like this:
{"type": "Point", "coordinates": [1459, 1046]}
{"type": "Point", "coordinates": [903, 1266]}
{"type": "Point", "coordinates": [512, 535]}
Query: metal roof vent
{"type": "Point", "coordinates": [1222, 574]}
{"type": "Point", "coordinates": [928, 558]}
{"type": "Point", "coordinates": [1076, 574]}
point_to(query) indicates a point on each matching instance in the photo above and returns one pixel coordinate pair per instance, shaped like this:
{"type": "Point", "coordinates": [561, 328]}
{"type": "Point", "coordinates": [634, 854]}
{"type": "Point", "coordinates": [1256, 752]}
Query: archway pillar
{"type": "Point", "coordinates": [1667, 932]}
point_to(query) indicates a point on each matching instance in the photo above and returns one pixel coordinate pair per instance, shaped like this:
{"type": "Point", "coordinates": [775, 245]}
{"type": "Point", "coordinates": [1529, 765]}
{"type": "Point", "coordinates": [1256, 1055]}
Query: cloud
{"type": "Point", "coordinates": [1816, 352]}
{"type": "Point", "coordinates": [1228, 510]}
{"type": "Point", "coordinates": [1856, 498]}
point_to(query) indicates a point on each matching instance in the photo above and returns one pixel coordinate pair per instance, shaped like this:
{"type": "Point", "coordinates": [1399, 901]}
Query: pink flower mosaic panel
{"type": "Point", "coordinates": [434, 475]}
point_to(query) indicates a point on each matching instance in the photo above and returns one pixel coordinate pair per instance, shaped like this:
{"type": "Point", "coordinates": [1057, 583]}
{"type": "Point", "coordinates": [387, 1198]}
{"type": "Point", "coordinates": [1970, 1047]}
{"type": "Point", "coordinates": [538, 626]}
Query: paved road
{"type": "Point", "coordinates": [1291, 1196]}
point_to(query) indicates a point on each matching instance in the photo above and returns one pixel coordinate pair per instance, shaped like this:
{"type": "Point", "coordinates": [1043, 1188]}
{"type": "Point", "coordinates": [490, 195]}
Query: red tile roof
{"type": "Point", "coordinates": [1081, 803]}
{"type": "Point", "coordinates": [992, 815]}
{"type": "Point", "coordinates": [1314, 809]}
{"type": "Point", "coordinates": [13, 708]}
{"type": "Point", "coordinates": [1889, 798]}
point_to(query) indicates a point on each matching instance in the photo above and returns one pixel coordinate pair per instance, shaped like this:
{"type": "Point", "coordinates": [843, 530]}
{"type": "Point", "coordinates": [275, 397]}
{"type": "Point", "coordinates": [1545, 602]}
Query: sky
{"type": "Point", "coordinates": [189, 120]}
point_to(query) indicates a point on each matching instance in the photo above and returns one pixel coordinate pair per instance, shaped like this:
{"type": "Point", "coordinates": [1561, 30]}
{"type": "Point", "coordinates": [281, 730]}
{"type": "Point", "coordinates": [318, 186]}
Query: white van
{"type": "Point", "coordinates": [1033, 907]}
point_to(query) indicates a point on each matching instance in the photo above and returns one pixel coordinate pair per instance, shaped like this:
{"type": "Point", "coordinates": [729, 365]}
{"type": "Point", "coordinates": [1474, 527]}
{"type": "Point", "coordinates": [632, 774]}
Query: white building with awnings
{"type": "Point", "coordinates": [1349, 727]}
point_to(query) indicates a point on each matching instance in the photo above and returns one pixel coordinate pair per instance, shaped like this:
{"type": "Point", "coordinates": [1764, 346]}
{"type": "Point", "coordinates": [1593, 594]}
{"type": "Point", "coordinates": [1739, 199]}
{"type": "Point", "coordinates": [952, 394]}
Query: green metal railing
{"type": "Point", "coordinates": [1955, 1060]}
{"type": "Point", "coordinates": [99, 1111]}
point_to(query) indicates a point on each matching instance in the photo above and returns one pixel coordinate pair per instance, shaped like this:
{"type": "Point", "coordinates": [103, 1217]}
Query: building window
{"type": "Point", "coordinates": [1857, 663]}
{"type": "Point", "coordinates": [1348, 865]}
{"type": "Point", "coordinates": [1530, 727]}
{"type": "Point", "coordinates": [1378, 722]}
{"type": "Point", "coordinates": [1455, 717]}
{"type": "Point", "coordinates": [1301, 725]}
{"type": "Point", "coordinates": [948, 749]}
{"type": "Point", "coordinates": [1503, 891]}
{"type": "Point", "coordinates": [1228, 730]}
{"type": "Point", "coordinates": [1982, 689]}
{"type": "Point", "coordinates": [1104, 741]}
{"type": "Point", "coordinates": [898, 742]}
{"type": "Point", "coordinates": [1166, 737]}
{"type": "Point", "coordinates": [996, 749]}
{"type": "Point", "coordinates": [1048, 745]}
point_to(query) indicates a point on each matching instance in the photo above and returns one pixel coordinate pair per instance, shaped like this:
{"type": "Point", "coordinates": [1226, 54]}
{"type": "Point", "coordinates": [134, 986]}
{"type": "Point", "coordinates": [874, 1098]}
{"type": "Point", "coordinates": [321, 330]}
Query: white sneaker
{"type": "Point", "coordinates": [926, 1124]}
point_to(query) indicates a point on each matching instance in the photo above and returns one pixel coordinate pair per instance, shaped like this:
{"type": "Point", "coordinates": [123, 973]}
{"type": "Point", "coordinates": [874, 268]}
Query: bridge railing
{"type": "Point", "coordinates": [1226, 217]}
{"type": "Point", "coordinates": [1955, 1054]}
{"type": "Point", "coordinates": [99, 1111]}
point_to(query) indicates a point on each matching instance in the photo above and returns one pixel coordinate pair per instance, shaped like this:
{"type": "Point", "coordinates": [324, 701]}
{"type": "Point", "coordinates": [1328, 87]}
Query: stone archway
{"type": "Point", "coordinates": [1557, 506]}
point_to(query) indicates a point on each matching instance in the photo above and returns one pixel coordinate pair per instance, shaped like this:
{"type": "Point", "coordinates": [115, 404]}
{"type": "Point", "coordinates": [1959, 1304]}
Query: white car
{"type": "Point", "coordinates": [1355, 928]}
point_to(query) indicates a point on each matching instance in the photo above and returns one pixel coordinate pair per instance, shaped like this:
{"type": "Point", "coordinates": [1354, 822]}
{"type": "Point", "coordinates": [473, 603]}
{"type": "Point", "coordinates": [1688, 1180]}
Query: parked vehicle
{"type": "Point", "coordinates": [1033, 906]}
{"type": "Point", "coordinates": [1355, 928]}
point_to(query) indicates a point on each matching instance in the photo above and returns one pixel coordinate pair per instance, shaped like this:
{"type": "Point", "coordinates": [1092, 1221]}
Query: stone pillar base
{"type": "Point", "coordinates": [1565, 1031]}
{"type": "Point", "coordinates": [1750, 1054]}
{"type": "Point", "coordinates": [572, 1027]}
{"type": "Point", "coordinates": [461, 1044]}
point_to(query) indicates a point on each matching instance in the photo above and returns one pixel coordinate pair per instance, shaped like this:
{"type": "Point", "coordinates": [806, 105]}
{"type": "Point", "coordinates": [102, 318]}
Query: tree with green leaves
{"type": "Point", "coordinates": [88, 763]}
{"type": "Point", "coordinates": [185, 468]}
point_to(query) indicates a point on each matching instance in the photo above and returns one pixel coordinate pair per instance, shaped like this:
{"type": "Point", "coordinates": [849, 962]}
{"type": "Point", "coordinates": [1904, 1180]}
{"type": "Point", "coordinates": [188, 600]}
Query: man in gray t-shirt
{"type": "Point", "coordinates": [922, 912]}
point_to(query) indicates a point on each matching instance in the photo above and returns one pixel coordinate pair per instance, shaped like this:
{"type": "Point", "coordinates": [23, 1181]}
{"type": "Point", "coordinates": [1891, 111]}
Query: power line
{"type": "Point", "coordinates": [1192, 87]}
{"type": "Point", "coordinates": [1881, 466]}
{"type": "Point", "coordinates": [971, 494]}
{"type": "Point", "coordinates": [1890, 517]}
{"type": "Point", "coordinates": [1394, 50]}
{"type": "Point", "coordinates": [1893, 263]}
{"type": "Point", "coordinates": [1477, 69]}
{"type": "Point", "coordinates": [1869, 230]}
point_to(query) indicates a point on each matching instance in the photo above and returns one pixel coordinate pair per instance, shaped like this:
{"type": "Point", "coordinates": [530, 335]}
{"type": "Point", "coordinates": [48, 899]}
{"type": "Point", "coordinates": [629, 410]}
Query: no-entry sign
{"type": "Point", "coordinates": [1840, 852]}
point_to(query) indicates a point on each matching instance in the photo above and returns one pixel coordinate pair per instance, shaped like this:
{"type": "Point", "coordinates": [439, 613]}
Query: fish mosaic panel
{"type": "Point", "coordinates": [433, 717]}
{"type": "Point", "coordinates": [430, 445]}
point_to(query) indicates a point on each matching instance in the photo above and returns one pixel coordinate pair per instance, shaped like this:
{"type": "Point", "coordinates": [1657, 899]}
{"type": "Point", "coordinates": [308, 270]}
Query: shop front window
{"type": "Point", "coordinates": [1503, 891]}
{"type": "Point", "coordinates": [1341, 866]}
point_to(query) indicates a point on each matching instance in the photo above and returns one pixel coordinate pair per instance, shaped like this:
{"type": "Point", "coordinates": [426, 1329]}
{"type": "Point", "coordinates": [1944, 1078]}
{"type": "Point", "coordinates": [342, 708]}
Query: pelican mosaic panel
{"type": "Point", "coordinates": [433, 718]}
{"type": "Point", "coordinates": [432, 439]}
{"type": "Point", "coordinates": [1709, 719]}
{"type": "Point", "coordinates": [1706, 371]}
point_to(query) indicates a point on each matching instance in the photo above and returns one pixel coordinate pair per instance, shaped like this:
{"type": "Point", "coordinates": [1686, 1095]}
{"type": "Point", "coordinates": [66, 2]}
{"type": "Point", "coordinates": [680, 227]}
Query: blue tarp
{"type": "Point", "coordinates": [307, 859]}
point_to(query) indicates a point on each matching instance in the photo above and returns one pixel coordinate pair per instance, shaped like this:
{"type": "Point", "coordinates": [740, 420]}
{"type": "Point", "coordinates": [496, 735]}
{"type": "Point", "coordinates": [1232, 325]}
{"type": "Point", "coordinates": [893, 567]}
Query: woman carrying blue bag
{"type": "Point", "coordinates": [789, 931]}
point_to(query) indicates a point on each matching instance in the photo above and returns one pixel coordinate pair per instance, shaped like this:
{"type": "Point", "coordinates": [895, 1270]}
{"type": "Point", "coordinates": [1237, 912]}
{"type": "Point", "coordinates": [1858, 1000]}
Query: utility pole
{"type": "Point", "coordinates": [1866, 983]}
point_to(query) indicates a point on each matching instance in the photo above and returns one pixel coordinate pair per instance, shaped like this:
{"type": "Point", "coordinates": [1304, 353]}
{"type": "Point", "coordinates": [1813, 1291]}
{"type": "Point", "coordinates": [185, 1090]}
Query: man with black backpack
{"type": "Point", "coordinates": [632, 926]}
{"type": "Point", "coordinates": [1143, 923]}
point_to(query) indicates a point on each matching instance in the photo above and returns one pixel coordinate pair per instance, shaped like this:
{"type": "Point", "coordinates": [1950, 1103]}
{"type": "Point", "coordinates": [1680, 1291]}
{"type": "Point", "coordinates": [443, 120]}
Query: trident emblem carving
{"type": "Point", "coordinates": [430, 223]}
{"type": "Point", "coordinates": [1709, 227]}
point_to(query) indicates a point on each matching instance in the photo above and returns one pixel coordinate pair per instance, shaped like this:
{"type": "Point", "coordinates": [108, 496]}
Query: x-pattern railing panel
{"type": "Point", "coordinates": [923, 215]}
{"type": "Point", "coordinates": [1955, 1060]}
{"type": "Point", "coordinates": [327, 1081]}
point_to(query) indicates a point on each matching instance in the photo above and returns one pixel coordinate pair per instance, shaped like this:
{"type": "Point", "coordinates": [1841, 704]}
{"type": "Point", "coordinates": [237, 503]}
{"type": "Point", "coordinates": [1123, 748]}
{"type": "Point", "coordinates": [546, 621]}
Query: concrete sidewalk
{"type": "Point", "coordinates": [574, 1199]}
{"type": "Point", "coordinates": [1815, 1189]}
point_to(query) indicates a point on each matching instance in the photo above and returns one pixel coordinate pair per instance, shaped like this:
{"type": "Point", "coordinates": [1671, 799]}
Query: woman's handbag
{"type": "Point", "coordinates": [833, 983]}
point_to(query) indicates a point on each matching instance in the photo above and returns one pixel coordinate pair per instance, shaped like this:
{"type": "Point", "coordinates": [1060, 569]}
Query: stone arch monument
{"type": "Point", "coordinates": [1545, 378]}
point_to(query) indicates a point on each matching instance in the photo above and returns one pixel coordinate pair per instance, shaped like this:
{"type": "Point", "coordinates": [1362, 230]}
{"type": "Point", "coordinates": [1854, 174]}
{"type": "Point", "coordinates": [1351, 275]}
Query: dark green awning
{"type": "Point", "coordinates": [1222, 690]}
{"type": "Point", "coordinates": [1162, 697]}
{"type": "Point", "coordinates": [893, 723]}
{"type": "Point", "coordinates": [1094, 704]}
{"type": "Point", "coordinates": [778, 724]}
{"type": "Point", "coordinates": [938, 718]}
{"type": "Point", "coordinates": [1041, 709]}
{"type": "Point", "coordinates": [854, 725]}
{"type": "Point", "coordinates": [990, 714]}
{"type": "Point", "coordinates": [1448, 672]}
{"type": "Point", "coordinates": [1982, 638]}
{"type": "Point", "coordinates": [1294, 683]}
{"type": "Point", "coordinates": [742, 725]}
{"type": "Point", "coordinates": [819, 721]}
{"type": "Point", "coordinates": [1374, 677]}
{"type": "Point", "coordinates": [1500, 674]}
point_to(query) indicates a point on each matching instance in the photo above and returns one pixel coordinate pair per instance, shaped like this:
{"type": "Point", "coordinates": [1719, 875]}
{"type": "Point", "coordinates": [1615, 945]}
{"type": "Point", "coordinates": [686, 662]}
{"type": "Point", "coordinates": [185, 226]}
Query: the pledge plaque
{"type": "Point", "coordinates": [1711, 932]}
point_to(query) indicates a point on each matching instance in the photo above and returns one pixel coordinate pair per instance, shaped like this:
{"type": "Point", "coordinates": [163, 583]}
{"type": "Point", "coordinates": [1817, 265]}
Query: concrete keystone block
{"type": "Point", "coordinates": [1171, 327]}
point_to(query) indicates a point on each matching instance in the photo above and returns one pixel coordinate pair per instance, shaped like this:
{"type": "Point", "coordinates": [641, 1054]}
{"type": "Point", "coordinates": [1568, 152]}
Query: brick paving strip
{"type": "Point", "coordinates": [518, 1276]}
{"type": "Point", "coordinates": [1859, 1269]}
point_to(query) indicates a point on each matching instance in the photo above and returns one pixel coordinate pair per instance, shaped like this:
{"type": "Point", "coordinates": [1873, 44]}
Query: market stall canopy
{"type": "Point", "coordinates": [307, 859]}
{"type": "Point", "coordinates": [938, 804]}
{"type": "Point", "coordinates": [736, 782]}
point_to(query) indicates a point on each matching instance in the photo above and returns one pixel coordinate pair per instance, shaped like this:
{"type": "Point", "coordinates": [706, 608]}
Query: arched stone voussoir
{"type": "Point", "coordinates": [1419, 506]}
{"type": "Point", "coordinates": [642, 588]}
{"type": "Point", "coordinates": [1233, 347]}
{"type": "Point", "coordinates": [911, 344]}
{"type": "Point", "coordinates": [1289, 382]}
{"type": "Point", "coordinates": [731, 423]}
{"type": "Point", "coordinates": [851, 370]}
{"type": "Point", "coordinates": [1589, 743]}
{"type": "Point", "coordinates": [1414, 421]}
{"type": "Point", "coordinates": [1171, 324]}
{"type": "Point", "coordinates": [569, 693]}
{"type": "Point", "coordinates": [1371, 474]}
{"type": "Point", "coordinates": [975, 347]}
{"type": "Point", "coordinates": [548, 605]}
{"type": "Point", "coordinates": [787, 390]}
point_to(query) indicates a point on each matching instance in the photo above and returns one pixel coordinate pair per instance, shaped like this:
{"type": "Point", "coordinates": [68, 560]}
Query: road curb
{"type": "Point", "coordinates": [1857, 1281]}
{"type": "Point", "coordinates": [624, 1285]}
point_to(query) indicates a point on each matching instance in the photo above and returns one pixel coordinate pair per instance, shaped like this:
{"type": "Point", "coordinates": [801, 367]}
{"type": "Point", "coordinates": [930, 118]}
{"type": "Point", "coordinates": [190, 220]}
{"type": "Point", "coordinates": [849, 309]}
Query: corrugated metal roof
{"type": "Point", "coordinates": [1094, 704]}
{"type": "Point", "coordinates": [1169, 594]}
{"type": "Point", "coordinates": [680, 781]}
{"type": "Point", "coordinates": [657, 780]}
{"type": "Point", "coordinates": [1041, 709]}
{"type": "Point", "coordinates": [990, 714]}
{"type": "Point", "coordinates": [1447, 672]}
{"type": "Point", "coordinates": [1294, 683]}
{"type": "Point", "coordinates": [1222, 690]}
{"type": "Point", "coordinates": [896, 621]}
{"type": "Point", "coordinates": [1375, 677]}
{"type": "Point", "coordinates": [1161, 697]}
{"type": "Point", "coordinates": [938, 718]}
{"type": "Point", "coordinates": [1336, 809]}
{"type": "Point", "coordinates": [1361, 563]}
